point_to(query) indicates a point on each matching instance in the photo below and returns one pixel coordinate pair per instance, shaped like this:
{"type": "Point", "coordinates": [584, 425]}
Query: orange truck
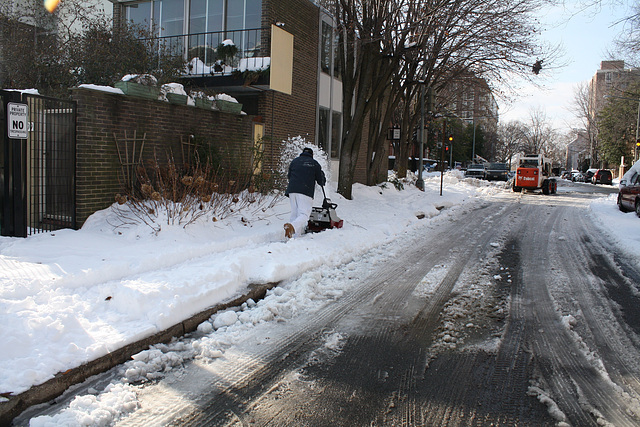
{"type": "Point", "coordinates": [533, 173]}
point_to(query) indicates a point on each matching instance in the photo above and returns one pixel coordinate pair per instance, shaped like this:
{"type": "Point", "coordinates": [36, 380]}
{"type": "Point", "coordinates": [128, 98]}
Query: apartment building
{"type": "Point", "coordinates": [611, 79]}
{"type": "Point", "coordinates": [470, 98]}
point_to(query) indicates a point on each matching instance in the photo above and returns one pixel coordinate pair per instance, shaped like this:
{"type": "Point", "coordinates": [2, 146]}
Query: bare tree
{"type": "Point", "coordinates": [585, 111]}
{"type": "Point", "coordinates": [442, 38]}
{"type": "Point", "coordinates": [539, 136]}
{"type": "Point", "coordinates": [628, 42]}
{"type": "Point", "coordinates": [510, 139]}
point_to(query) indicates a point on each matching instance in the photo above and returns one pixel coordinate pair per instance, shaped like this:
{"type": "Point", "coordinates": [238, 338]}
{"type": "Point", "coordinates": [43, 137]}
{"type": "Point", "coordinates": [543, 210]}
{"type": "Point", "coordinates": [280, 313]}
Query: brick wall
{"type": "Point", "coordinates": [101, 114]}
{"type": "Point", "coordinates": [292, 115]}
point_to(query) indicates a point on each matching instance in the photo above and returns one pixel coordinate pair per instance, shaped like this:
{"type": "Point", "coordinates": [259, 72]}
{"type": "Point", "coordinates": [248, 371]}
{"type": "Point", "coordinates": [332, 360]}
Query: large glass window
{"type": "Point", "coordinates": [140, 14]}
{"type": "Point", "coordinates": [336, 52]}
{"type": "Point", "coordinates": [206, 16]}
{"type": "Point", "coordinates": [325, 46]}
{"type": "Point", "coordinates": [172, 18]}
{"type": "Point", "coordinates": [235, 14]}
{"type": "Point", "coordinates": [253, 14]}
{"type": "Point", "coordinates": [323, 129]}
{"type": "Point", "coordinates": [336, 134]}
{"type": "Point", "coordinates": [210, 22]}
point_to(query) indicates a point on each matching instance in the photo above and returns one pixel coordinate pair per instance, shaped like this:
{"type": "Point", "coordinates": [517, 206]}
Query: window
{"type": "Point", "coordinates": [325, 48]}
{"type": "Point", "coordinates": [235, 14]}
{"type": "Point", "coordinates": [140, 14]}
{"type": "Point", "coordinates": [336, 62]}
{"type": "Point", "coordinates": [168, 15]}
{"type": "Point", "coordinates": [171, 17]}
{"type": "Point", "coordinates": [469, 95]}
{"type": "Point", "coordinates": [323, 129]}
{"type": "Point", "coordinates": [336, 134]}
{"type": "Point", "coordinates": [206, 16]}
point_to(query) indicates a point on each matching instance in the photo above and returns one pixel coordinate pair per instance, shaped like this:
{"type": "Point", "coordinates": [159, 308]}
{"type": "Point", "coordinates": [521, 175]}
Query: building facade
{"type": "Point", "coordinates": [470, 98]}
{"type": "Point", "coordinates": [612, 79]}
{"type": "Point", "coordinates": [281, 67]}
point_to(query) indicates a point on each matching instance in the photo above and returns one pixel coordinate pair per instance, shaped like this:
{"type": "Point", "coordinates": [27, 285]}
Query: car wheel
{"type": "Point", "coordinates": [638, 208]}
{"type": "Point", "coordinates": [622, 209]}
{"type": "Point", "coordinates": [545, 187]}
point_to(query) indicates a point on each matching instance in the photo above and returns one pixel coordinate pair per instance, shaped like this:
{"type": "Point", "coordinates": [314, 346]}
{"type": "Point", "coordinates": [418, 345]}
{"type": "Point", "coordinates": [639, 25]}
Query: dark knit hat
{"type": "Point", "coordinates": [308, 150]}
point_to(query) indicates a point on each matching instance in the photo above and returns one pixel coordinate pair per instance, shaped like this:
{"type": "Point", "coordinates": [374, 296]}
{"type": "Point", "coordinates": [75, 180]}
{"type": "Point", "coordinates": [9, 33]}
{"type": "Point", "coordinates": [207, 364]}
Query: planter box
{"type": "Point", "coordinates": [177, 98]}
{"type": "Point", "coordinates": [228, 106]}
{"type": "Point", "coordinates": [136, 89]}
{"type": "Point", "coordinates": [205, 103]}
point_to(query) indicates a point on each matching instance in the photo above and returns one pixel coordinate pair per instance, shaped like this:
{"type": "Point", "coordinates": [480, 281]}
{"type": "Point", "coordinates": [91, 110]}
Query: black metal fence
{"type": "Point", "coordinates": [37, 161]}
{"type": "Point", "coordinates": [207, 54]}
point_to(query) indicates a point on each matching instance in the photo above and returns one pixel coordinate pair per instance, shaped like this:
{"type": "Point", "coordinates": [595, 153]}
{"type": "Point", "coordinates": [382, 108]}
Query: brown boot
{"type": "Point", "coordinates": [288, 230]}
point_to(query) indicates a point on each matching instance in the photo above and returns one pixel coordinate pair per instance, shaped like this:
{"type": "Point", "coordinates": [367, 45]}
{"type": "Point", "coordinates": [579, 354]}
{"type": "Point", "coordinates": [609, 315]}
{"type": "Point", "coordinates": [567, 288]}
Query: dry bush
{"type": "Point", "coordinates": [181, 194]}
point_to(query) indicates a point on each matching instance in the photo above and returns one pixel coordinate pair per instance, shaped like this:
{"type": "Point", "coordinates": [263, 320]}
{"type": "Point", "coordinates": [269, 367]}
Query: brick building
{"type": "Point", "coordinates": [610, 80]}
{"type": "Point", "coordinates": [283, 71]}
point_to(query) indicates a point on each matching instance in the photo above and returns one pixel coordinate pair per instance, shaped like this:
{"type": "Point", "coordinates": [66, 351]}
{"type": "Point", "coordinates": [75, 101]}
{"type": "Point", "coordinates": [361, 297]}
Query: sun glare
{"type": "Point", "coordinates": [51, 5]}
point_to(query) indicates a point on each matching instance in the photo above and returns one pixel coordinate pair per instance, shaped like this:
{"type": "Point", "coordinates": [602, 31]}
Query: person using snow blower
{"type": "Point", "coordinates": [304, 172]}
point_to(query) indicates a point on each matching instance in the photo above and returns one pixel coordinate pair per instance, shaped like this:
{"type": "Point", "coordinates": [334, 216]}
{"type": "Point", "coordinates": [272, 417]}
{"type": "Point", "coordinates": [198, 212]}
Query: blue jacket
{"type": "Point", "coordinates": [304, 172]}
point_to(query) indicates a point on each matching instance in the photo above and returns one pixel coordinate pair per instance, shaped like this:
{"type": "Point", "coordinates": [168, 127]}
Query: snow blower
{"type": "Point", "coordinates": [324, 217]}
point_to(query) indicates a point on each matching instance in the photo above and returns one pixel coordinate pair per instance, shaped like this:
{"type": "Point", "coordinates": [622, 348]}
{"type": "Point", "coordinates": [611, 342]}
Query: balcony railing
{"type": "Point", "coordinates": [204, 58]}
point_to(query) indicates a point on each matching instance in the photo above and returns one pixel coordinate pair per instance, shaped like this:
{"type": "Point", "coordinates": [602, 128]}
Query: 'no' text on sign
{"type": "Point", "coordinates": [17, 120]}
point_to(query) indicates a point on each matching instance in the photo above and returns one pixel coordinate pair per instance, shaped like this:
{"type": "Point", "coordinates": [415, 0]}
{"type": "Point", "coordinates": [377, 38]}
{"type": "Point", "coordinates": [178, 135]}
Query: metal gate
{"type": "Point", "coordinates": [37, 163]}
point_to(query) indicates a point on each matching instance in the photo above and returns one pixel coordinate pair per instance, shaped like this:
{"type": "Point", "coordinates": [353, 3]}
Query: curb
{"type": "Point", "coordinates": [62, 381]}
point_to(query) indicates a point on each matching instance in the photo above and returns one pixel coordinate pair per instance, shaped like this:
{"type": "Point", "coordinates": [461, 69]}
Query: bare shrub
{"type": "Point", "coordinates": [211, 186]}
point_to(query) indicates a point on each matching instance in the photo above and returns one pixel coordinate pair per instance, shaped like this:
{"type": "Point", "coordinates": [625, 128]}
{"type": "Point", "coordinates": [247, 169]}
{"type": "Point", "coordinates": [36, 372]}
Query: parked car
{"type": "Point", "coordinates": [602, 176]}
{"type": "Point", "coordinates": [497, 171]}
{"type": "Point", "coordinates": [629, 195]}
{"type": "Point", "coordinates": [475, 170]}
{"type": "Point", "coordinates": [578, 177]}
{"type": "Point", "coordinates": [627, 177]}
{"type": "Point", "coordinates": [588, 174]}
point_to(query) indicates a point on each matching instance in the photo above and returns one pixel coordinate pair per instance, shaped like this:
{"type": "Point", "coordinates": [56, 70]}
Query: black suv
{"type": "Point", "coordinates": [497, 171]}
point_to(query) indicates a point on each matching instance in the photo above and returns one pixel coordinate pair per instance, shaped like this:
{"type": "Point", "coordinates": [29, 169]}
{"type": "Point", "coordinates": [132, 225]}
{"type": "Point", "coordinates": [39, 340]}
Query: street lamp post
{"type": "Point", "coordinates": [420, 182]}
{"type": "Point", "coordinates": [473, 150]}
{"type": "Point", "coordinates": [635, 150]}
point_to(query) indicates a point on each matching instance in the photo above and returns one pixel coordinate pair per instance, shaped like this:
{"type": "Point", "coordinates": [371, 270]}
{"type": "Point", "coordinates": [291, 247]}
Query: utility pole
{"type": "Point", "coordinates": [444, 142]}
{"type": "Point", "coordinates": [420, 182]}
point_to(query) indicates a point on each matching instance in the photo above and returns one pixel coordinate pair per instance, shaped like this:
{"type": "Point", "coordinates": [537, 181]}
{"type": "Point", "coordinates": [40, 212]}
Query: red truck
{"type": "Point", "coordinates": [534, 172]}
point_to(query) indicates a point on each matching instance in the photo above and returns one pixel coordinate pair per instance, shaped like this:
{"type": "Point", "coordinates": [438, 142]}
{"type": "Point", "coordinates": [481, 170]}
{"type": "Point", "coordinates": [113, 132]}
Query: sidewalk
{"type": "Point", "coordinates": [55, 387]}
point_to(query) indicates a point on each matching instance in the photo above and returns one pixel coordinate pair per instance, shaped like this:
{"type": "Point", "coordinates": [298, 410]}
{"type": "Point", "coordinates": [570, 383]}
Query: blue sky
{"type": "Point", "coordinates": [585, 36]}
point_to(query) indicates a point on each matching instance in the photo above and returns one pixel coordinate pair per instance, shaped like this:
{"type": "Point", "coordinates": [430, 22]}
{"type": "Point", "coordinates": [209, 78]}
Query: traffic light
{"type": "Point", "coordinates": [450, 138]}
{"type": "Point", "coordinates": [446, 148]}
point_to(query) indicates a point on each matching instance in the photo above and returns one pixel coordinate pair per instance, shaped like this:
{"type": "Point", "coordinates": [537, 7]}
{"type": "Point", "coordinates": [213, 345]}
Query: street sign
{"type": "Point", "coordinates": [393, 134]}
{"type": "Point", "coordinates": [17, 120]}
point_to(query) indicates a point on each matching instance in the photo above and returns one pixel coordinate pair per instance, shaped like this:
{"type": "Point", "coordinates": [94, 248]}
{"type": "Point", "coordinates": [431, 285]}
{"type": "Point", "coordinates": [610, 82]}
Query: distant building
{"type": "Point", "coordinates": [578, 153]}
{"type": "Point", "coordinates": [612, 79]}
{"type": "Point", "coordinates": [471, 99]}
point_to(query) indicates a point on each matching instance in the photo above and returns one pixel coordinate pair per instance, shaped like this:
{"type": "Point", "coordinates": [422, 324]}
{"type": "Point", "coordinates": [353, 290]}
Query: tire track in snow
{"type": "Point", "coordinates": [576, 385]}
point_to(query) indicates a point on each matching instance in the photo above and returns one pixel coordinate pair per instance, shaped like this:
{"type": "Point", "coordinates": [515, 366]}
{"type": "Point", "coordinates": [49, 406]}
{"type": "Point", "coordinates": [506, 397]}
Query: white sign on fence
{"type": "Point", "coordinates": [17, 120]}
